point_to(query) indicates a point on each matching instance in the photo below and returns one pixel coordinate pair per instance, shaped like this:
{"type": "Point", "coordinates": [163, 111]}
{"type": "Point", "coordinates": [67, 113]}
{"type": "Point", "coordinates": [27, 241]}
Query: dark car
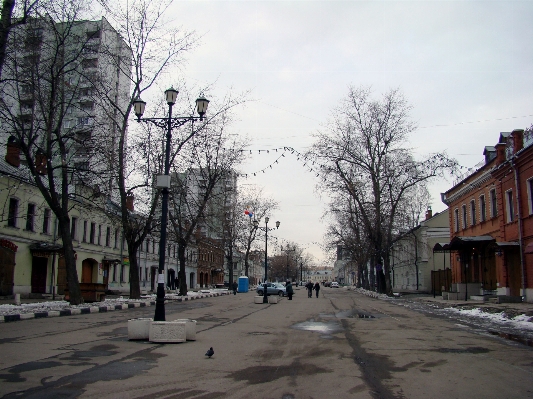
{"type": "Point", "coordinates": [272, 289]}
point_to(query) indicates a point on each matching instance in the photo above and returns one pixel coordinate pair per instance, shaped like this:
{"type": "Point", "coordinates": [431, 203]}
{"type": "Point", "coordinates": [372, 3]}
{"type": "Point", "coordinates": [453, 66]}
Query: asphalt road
{"type": "Point", "coordinates": [341, 345]}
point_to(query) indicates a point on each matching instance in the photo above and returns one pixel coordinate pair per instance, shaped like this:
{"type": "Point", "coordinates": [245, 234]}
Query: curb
{"type": "Point", "coordinates": [95, 309]}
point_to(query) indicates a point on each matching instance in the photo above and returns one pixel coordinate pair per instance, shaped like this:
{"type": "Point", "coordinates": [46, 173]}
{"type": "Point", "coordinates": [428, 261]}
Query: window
{"type": "Point", "coordinates": [85, 231]}
{"type": "Point", "coordinates": [147, 245]}
{"type": "Point", "coordinates": [456, 221]}
{"type": "Point", "coordinates": [93, 233]}
{"type": "Point", "coordinates": [13, 211]}
{"type": "Point", "coordinates": [483, 209]}
{"type": "Point", "coordinates": [108, 237]}
{"type": "Point", "coordinates": [46, 221]}
{"type": "Point", "coordinates": [73, 226]}
{"type": "Point", "coordinates": [530, 195]}
{"type": "Point", "coordinates": [493, 205]}
{"type": "Point", "coordinates": [473, 212]}
{"type": "Point", "coordinates": [116, 238]}
{"type": "Point", "coordinates": [509, 205]}
{"type": "Point", "coordinates": [99, 234]}
{"type": "Point", "coordinates": [30, 217]}
{"type": "Point", "coordinates": [465, 224]}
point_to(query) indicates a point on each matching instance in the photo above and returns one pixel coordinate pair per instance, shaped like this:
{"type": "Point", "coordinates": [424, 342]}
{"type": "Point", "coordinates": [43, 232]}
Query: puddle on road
{"type": "Point", "coordinates": [353, 314]}
{"type": "Point", "coordinates": [513, 337]}
{"type": "Point", "coordinates": [327, 328]}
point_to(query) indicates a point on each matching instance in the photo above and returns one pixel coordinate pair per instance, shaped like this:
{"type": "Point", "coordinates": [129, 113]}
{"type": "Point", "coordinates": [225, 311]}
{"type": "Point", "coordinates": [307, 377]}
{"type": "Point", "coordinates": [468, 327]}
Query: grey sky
{"type": "Point", "coordinates": [463, 64]}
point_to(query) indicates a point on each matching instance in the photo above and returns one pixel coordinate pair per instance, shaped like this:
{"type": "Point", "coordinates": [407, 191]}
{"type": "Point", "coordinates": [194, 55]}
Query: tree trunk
{"type": "Point", "coordinates": [135, 287]}
{"type": "Point", "coordinates": [74, 291]}
{"type": "Point", "coordinates": [5, 27]}
{"type": "Point", "coordinates": [181, 273]}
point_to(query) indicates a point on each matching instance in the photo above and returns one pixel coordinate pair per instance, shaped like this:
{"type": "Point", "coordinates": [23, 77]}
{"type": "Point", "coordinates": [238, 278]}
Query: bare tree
{"type": "Point", "coordinates": [13, 14]}
{"type": "Point", "coordinates": [253, 200]}
{"type": "Point", "coordinates": [198, 193]}
{"type": "Point", "coordinates": [40, 89]}
{"type": "Point", "coordinates": [364, 157]}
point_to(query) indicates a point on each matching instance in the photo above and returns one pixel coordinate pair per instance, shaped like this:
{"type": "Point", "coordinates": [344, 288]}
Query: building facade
{"type": "Point", "coordinates": [491, 223]}
{"type": "Point", "coordinates": [413, 259]}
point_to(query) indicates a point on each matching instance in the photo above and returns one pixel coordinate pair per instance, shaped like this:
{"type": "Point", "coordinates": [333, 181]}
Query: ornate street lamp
{"type": "Point", "coordinates": [287, 250]}
{"type": "Point", "coordinates": [163, 181]}
{"type": "Point", "coordinates": [256, 225]}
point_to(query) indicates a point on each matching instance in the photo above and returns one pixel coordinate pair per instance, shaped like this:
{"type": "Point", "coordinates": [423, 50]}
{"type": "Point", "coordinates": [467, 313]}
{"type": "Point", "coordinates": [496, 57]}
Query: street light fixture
{"type": "Point", "coordinates": [256, 225]}
{"type": "Point", "coordinates": [163, 181]}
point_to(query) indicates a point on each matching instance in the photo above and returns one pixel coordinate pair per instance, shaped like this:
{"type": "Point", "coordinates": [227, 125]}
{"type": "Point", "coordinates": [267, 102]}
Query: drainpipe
{"type": "Point", "coordinates": [520, 232]}
{"type": "Point", "coordinates": [53, 287]}
{"type": "Point", "coordinates": [416, 257]}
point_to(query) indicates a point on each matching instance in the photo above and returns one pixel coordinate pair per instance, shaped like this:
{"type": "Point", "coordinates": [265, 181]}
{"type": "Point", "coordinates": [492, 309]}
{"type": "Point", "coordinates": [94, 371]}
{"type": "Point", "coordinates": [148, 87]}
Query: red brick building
{"type": "Point", "coordinates": [491, 223]}
{"type": "Point", "coordinates": [210, 262]}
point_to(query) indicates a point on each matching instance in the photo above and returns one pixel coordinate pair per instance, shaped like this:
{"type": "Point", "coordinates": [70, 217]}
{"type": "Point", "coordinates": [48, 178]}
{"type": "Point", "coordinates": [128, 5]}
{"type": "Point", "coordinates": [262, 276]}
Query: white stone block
{"type": "Point", "coordinates": [53, 313]}
{"type": "Point", "coordinates": [258, 299]}
{"type": "Point", "coordinates": [26, 316]}
{"type": "Point", "coordinates": [167, 331]}
{"type": "Point", "coordinates": [273, 299]}
{"type": "Point", "coordinates": [190, 329]}
{"type": "Point", "coordinates": [139, 328]}
{"type": "Point", "coordinates": [75, 311]}
{"type": "Point", "coordinates": [94, 309]}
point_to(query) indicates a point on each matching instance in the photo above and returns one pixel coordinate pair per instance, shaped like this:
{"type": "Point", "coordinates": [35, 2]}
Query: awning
{"type": "Point", "coordinates": [107, 260]}
{"type": "Point", "coordinates": [507, 244]}
{"type": "Point", "coordinates": [458, 243]}
{"type": "Point", "coordinates": [529, 248]}
{"type": "Point", "coordinates": [441, 247]}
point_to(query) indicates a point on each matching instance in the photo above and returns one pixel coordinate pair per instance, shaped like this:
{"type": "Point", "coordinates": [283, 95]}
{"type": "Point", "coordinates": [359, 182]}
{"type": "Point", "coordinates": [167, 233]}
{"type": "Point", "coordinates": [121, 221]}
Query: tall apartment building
{"type": "Point", "coordinates": [66, 80]}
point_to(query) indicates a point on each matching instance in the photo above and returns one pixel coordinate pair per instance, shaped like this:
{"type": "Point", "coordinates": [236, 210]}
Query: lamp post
{"type": "Point", "coordinates": [256, 225]}
{"type": "Point", "coordinates": [163, 181]}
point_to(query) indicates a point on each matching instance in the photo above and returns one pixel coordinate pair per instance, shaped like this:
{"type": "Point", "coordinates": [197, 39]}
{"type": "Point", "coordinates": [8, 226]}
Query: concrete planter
{"type": "Point", "coordinates": [168, 331]}
{"type": "Point", "coordinates": [258, 299]}
{"type": "Point", "coordinates": [273, 299]}
{"type": "Point", "coordinates": [190, 329]}
{"type": "Point", "coordinates": [139, 328]}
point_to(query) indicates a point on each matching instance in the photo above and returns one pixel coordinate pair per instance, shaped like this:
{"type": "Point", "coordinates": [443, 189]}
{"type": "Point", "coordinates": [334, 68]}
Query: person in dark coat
{"type": "Point", "coordinates": [309, 287]}
{"type": "Point", "coordinates": [234, 286]}
{"type": "Point", "coordinates": [290, 291]}
{"type": "Point", "coordinates": [317, 288]}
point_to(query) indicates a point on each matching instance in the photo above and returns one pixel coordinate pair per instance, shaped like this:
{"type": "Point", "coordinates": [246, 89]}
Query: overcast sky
{"type": "Point", "coordinates": [464, 66]}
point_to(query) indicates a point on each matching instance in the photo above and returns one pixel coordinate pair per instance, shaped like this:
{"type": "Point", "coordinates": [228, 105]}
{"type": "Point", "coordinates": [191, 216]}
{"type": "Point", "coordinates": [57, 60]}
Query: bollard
{"type": "Point", "coordinates": [17, 299]}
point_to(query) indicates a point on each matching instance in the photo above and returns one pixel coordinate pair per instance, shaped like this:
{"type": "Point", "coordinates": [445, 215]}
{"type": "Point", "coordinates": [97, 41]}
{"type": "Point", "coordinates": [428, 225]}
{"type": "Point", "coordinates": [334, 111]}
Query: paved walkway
{"type": "Point", "coordinates": [94, 307]}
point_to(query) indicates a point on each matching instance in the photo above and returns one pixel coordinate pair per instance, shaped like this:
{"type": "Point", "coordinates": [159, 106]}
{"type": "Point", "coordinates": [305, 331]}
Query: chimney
{"type": "Point", "coordinates": [429, 213]}
{"type": "Point", "coordinates": [129, 202]}
{"type": "Point", "coordinates": [500, 153]}
{"type": "Point", "coordinates": [13, 152]}
{"type": "Point", "coordinates": [40, 163]}
{"type": "Point", "coordinates": [518, 140]}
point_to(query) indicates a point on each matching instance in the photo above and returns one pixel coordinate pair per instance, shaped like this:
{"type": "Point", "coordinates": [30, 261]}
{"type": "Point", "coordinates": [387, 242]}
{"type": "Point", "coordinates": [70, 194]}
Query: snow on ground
{"type": "Point", "coordinates": [483, 317]}
{"type": "Point", "coordinates": [36, 307]}
{"type": "Point", "coordinates": [521, 321]}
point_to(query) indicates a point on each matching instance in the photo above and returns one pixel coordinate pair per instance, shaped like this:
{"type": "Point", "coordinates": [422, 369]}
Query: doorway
{"type": "Point", "coordinates": [7, 270]}
{"type": "Point", "coordinates": [39, 268]}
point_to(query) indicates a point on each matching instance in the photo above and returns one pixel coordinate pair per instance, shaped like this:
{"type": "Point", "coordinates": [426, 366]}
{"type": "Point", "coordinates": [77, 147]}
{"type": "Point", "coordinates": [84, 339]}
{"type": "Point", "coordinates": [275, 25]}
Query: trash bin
{"type": "Point", "coordinates": [243, 284]}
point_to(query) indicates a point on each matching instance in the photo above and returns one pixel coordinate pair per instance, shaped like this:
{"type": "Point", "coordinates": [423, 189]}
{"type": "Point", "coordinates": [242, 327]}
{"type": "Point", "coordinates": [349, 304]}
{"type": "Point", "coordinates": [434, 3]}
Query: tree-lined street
{"type": "Point", "coordinates": [342, 344]}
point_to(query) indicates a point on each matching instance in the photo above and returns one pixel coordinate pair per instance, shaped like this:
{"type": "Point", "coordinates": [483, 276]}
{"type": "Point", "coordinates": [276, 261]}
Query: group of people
{"type": "Point", "coordinates": [310, 287]}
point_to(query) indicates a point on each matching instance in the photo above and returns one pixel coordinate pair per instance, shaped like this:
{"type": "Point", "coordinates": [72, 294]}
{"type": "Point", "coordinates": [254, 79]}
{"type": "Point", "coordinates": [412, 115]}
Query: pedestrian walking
{"type": "Point", "coordinates": [289, 290]}
{"type": "Point", "coordinates": [317, 288]}
{"type": "Point", "coordinates": [309, 287]}
{"type": "Point", "coordinates": [234, 286]}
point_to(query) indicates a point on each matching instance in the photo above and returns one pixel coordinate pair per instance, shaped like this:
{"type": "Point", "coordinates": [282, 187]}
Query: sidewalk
{"type": "Point", "coordinates": [512, 309]}
{"type": "Point", "coordinates": [40, 308]}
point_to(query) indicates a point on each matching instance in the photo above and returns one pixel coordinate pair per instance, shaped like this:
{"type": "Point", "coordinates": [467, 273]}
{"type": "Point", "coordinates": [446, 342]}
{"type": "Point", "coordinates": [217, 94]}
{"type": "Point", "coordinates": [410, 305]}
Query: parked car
{"type": "Point", "coordinates": [327, 284]}
{"type": "Point", "coordinates": [272, 289]}
{"type": "Point", "coordinates": [334, 284]}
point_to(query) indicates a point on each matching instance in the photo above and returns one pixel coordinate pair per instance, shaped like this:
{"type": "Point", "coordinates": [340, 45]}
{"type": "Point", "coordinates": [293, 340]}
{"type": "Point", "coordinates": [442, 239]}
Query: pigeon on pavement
{"type": "Point", "coordinates": [210, 352]}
